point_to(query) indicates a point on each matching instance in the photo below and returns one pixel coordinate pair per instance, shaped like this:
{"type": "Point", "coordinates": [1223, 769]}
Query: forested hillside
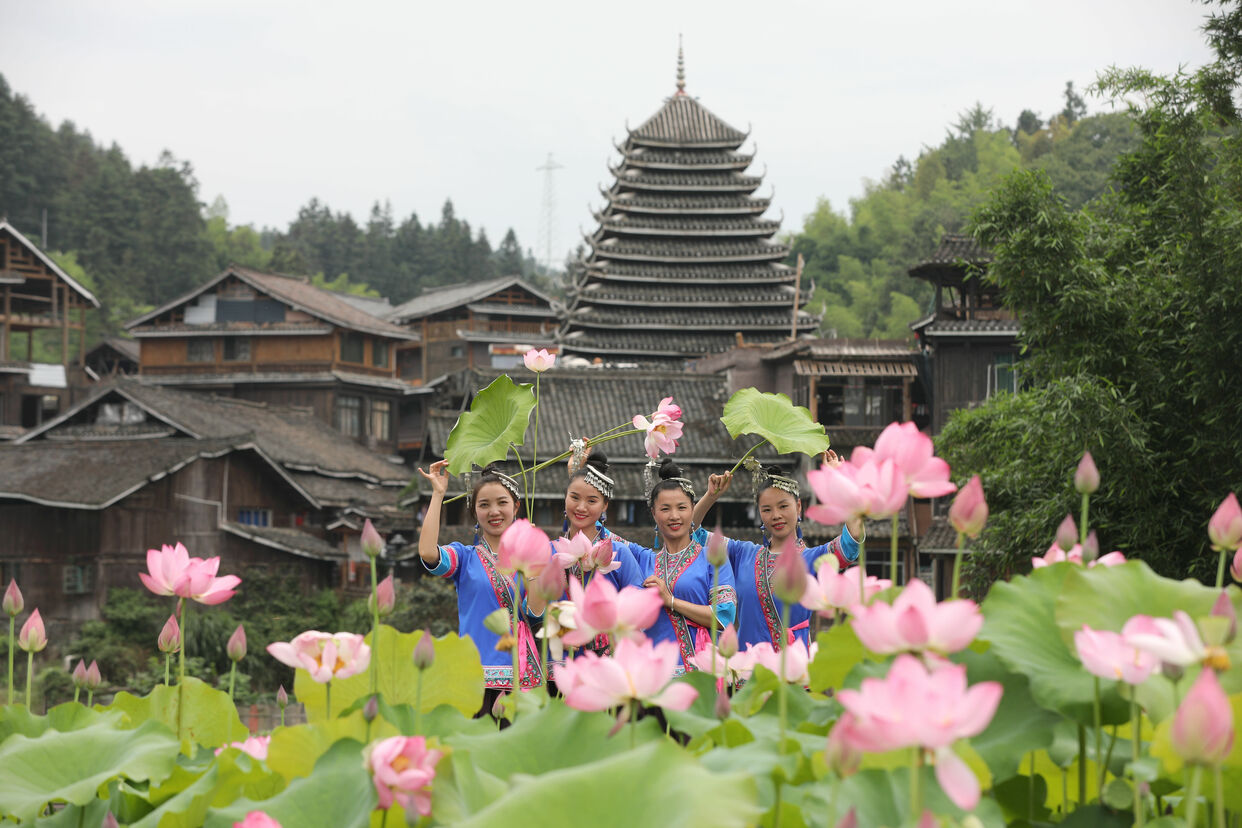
{"type": "Point", "coordinates": [858, 260]}
{"type": "Point", "coordinates": [141, 235]}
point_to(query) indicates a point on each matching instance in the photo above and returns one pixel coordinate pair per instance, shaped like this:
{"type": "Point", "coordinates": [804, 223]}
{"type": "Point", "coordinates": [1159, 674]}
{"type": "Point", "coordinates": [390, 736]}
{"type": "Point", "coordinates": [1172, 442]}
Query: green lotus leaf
{"type": "Point", "coordinates": [774, 417]}
{"type": "Point", "coordinates": [882, 797]}
{"type": "Point", "coordinates": [1019, 725]}
{"type": "Point", "coordinates": [497, 417]}
{"type": "Point", "coordinates": [839, 650]}
{"type": "Point", "coordinates": [70, 766]}
{"type": "Point", "coordinates": [15, 718]}
{"type": "Point", "coordinates": [209, 719]}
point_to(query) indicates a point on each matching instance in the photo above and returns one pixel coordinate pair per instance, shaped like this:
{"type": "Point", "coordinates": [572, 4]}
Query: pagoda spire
{"type": "Point", "coordinates": [681, 67]}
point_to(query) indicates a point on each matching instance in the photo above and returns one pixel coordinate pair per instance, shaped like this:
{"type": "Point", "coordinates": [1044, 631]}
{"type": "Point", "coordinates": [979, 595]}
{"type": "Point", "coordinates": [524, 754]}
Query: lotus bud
{"type": "Point", "coordinates": [727, 644]}
{"type": "Point", "coordinates": [93, 678]}
{"type": "Point", "coordinates": [1223, 608]}
{"type": "Point", "coordinates": [32, 638]}
{"type": "Point", "coordinates": [1067, 533]}
{"type": "Point", "coordinates": [109, 821]}
{"type": "Point", "coordinates": [1225, 527]}
{"type": "Point", "coordinates": [372, 543]}
{"type": "Point", "coordinates": [497, 621]}
{"type": "Point", "coordinates": [1173, 672]}
{"type": "Point", "coordinates": [550, 583]}
{"type": "Point", "coordinates": [1091, 549]}
{"type": "Point", "coordinates": [282, 698]}
{"type": "Point", "coordinates": [385, 595]}
{"type": "Point", "coordinates": [13, 602]}
{"type": "Point", "coordinates": [1087, 477]}
{"type": "Point", "coordinates": [498, 706]}
{"type": "Point", "coordinates": [79, 674]}
{"type": "Point", "coordinates": [969, 510]}
{"type": "Point", "coordinates": [1235, 568]}
{"type": "Point", "coordinates": [789, 575]}
{"type": "Point", "coordinates": [236, 646]}
{"type": "Point", "coordinates": [170, 637]}
{"type": "Point", "coordinates": [1202, 730]}
{"type": "Point", "coordinates": [424, 651]}
{"type": "Point", "coordinates": [850, 820]}
{"type": "Point", "coordinates": [371, 709]}
{"type": "Point", "coordinates": [840, 754]}
{"type": "Point", "coordinates": [717, 549]}
{"type": "Point", "coordinates": [723, 707]}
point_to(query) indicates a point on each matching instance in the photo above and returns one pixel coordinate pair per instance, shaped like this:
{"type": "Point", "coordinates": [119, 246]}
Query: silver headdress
{"type": "Point", "coordinates": [650, 482]}
{"type": "Point", "coordinates": [761, 479]}
{"type": "Point", "coordinates": [599, 480]}
{"type": "Point", "coordinates": [501, 478]}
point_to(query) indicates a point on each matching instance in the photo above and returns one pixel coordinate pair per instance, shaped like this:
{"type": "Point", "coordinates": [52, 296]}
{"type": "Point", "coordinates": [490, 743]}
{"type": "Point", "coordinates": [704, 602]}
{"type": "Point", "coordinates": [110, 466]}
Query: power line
{"type": "Point", "coordinates": [547, 216]}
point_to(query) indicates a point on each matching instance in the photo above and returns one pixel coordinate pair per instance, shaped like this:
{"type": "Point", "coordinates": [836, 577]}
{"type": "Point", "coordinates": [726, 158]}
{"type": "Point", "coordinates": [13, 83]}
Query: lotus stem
{"type": "Point", "coordinates": [1095, 713]}
{"type": "Point", "coordinates": [747, 454]}
{"type": "Point", "coordinates": [782, 701]}
{"type": "Point", "coordinates": [167, 664]}
{"type": "Point", "coordinates": [1220, 570]}
{"type": "Point", "coordinates": [525, 485]}
{"type": "Point", "coordinates": [534, 446]}
{"type": "Point", "coordinates": [1082, 766]}
{"type": "Point", "coordinates": [374, 623]}
{"type": "Point", "coordinates": [634, 721]}
{"type": "Point", "coordinates": [77, 691]}
{"type": "Point", "coordinates": [384, 819]}
{"type": "Point", "coordinates": [232, 679]}
{"type": "Point", "coordinates": [327, 699]}
{"type": "Point", "coordinates": [715, 585]}
{"type": "Point", "coordinates": [1140, 812]}
{"type": "Point", "coordinates": [517, 632]}
{"type": "Point", "coordinates": [1192, 798]}
{"type": "Point", "coordinates": [1108, 756]}
{"type": "Point", "coordinates": [1219, 803]}
{"type": "Point", "coordinates": [90, 698]}
{"type": "Point", "coordinates": [892, 564]}
{"type": "Point", "coordinates": [29, 670]}
{"type": "Point", "coordinates": [1030, 785]}
{"type": "Point", "coordinates": [1082, 526]}
{"type": "Point", "coordinates": [957, 564]}
{"type": "Point", "coordinates": [282, 717]}
{"type": "Point", "coordinates": [916, 792]}
{"type": "Point", "coordinates": [12, 622]}
{"type": "Point", "coordinates": [418, 703]}
{"type": "Point", "coordinates": [183, 610]}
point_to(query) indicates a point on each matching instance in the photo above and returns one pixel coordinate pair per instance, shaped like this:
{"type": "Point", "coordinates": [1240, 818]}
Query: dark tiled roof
{"type": "Point", "coordinates": [674, 159]}
{"type": "Point", "coordinates": [436, 300]}
{"type": "Point", "coordinates": [678, 226]}
{"type": "Point", "coordinates": [941, 537]}
{"type": "Point", "coordinates": [665, 295]}
{"type": "Point", "coordinates": [694, 182]}
{"type": "Point", "coordinates": [687, 317]}
{"type": "Point", "coordinates": [634, 344]}
{"type": "Point", "coordinates": [684, 121]}
{"type": "Point", "coordinates": [294, 541]}
{"type": "Point", "coordinates": [842, 349]}
{"type": "Point", "coordinates": [724, 272]}
{"type": "Point", "coordinates": [234, 328]}
{"type": "Point", "coordinates": [956, 248]}
{"type": "Point", "coordinates": [341, 492]}
{"type": "Point", "coordinates": [127, 348]}
{"type": "Point", "coordinates": [962, 327]}
{"type": "Point", "coordinates": [700, 251]}
{"type": "Point", "coordinates": [279, 378]}
{"type": "Point", "coordinates": [687, 204]}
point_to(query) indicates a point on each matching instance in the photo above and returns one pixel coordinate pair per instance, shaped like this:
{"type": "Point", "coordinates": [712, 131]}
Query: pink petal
{"type": "Point", "coordinates": [956, 779]}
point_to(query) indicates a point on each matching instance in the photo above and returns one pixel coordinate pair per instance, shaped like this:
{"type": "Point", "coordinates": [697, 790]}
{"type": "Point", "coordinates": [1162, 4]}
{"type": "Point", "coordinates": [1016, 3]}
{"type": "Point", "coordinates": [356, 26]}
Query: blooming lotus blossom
{"type": "Point", "coordinates": [1110, 656]}
{"type": "Point", "coordinates": [1086, 476]}
{"type": "Point", "coordinates": [850, 490]}
{"type": "Point", "coordinates": [32, 638]}
{"type": "Point", "coordinates": [588, 557]}
{"type": "Point", "coordinates": [169, 640]}
{"type": "Point", "coordinates": [424, 651]}
{"type": "Point", "coordinates": [797, 659]}
{"type": "Point", "coordinates": [524, 548]}
{"type": "Point", "coordinates": [663, 429]}
{"type": "Point", "coordinates": [1176, 642]}
{"type": "Point", "coordinates": [832, 590]}
{"type": "Point", "coordinates": [236, 646]}
{"type": "Point", "coordinates": [915, 707]}
{"type": "Point", "coordinates": [539, 360]}
{"type": "Point", "coordinates": [915, 622]}
{"type": "Point", "coordinates": [1202, 730]}
{"type": "Point", "coordinates": [1225, 527]}
{"type": "Point", "coordinates": [558, 619]}
{"type": "Point", "coordinates": [385, 598]}
{"type": "Point", "coordinates": [324, 655]}
{"type": "Point", "coordinates": [256, 819]}
{"type": "Point", "coordinates": [732, 666]}
{"type": "Point", "coordinates": [969, 510]}
{"type": "Point", "coordinates": [255, 746]}
{"type": "Point", "coordinates": [13, 602]}
{"type": "Point", "coordinates": [637, 671]}
{"type": "Point", "coordinates": [602, 610]}
{"type": "Point", "coordinates": [912, 452]}
{"type": "Point", "coordinates": [1056, 554]}
{"type": "Point", "coordinates": [171, 571]}
{"type": "Point", "coordinates": [403, 769]}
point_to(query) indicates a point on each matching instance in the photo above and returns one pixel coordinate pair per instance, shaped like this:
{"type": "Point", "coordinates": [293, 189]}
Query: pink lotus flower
{"type": "Point", "coordinates": [550, 583]}
{"type": "Point", "coordinates": [913, 453]}
{"type": "Point", "coordinates": [601, 610]}
{"type": "Point", "coordinates": [324, 655]}
{"type": "Point", "coordinates": [539, 360]}
{"type": "Point", "coordinates": [282, 697]}
{"type": "Point", "coordinates": [372, 543]}
{"type": "Point", "coordinates": [727, 642]}
{"type": "Point", "coordinates": [32, 638]}
{"type": "Point", "coordinates": [636, 671]}
{"type": "Point", "coordinates": [236, 646]}
{"type": "Point", "coordinates": [169, 640]}
{"type": "Point", "coordinates": [717, 550]}
{"type": "Point", "coordinates": [914, 707]}
{"type": "Point", "coordinates": [79, 674]}
{"type": "Point", "coordinates": [171, 571]}
{"type": "Point", "coordinates": [789, 579]}
{"type": "Point", "coordinates": [93, 679]}
{"type": "Point", "coordinates": [255, 746]}
{"type": "Point", "coordinates": [663, 429]}
{"type": "Point", "coordinates": [524, 548]}
{"type": "Point", "coordinates": [915, 622]}
{"type": "Point", "coordinates": [874, 488]}
{"type": "Point", "coordinates": [1109, 656]}
{"type": "Point", "coordinates": [403, 768]}
{"type": "Point", "coordinates": [579, 550]}
{"type": "Point", "coordinates": [969, 510]}
{"type": "Point", "coordinates": [797, 661]}
{"type": "Point", "coordinates": [385, 598]}
{"type": "Point", "coordinates": [424, 651]}
{"type": "Point", "coordinates": [840, 752]}
{"type": "Point", "coordinates": [1056, 554]}
{"type": "Point", "coordinates": [13, 602]}
{"type": "Point", "coordinates": [831, 590]}
{"type": "Point", "coordinates": [1086, 477]}
{"type": "Point", "coordinates": [728, 665]}
{"type": "Point", "coordinates": [256, 819]}
{"type": "Point", "coordinates": [1235, 569]}
{"type": "Point", "coordinates": [1202, 731]}
{"type": "Point", "coordinates": [1225, 527]}
{"type": "Point", "coordinates": [1175, 641]}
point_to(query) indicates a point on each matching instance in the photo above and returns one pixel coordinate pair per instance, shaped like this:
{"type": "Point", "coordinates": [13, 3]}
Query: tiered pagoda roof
{"type": "Point", "coordinates": [682, 261]}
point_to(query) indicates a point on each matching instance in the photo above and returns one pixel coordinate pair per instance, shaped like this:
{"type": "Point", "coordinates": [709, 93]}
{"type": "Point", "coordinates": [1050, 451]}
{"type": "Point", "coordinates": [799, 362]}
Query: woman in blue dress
{"type": "Point", "coordinates": [777, 498]}
{"type": "Point", "coordinates": [696, 595]}
{"type": "Point", "coordinates": [481, 587]}
{"type": "Point", "coordinates": [587, 497]}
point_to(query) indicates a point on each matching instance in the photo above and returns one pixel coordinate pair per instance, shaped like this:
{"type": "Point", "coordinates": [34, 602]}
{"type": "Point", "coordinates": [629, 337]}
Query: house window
{"type": "Point", "coordinates": [457, 351]}
{"type": "Point", "coordinates": [200, 350]}
{"type": "Point", "coordinates": [1003, 374]}
{"type": "Point", "coordinates": [78, 579]}
{"type": "Point", "coordinates": [353, 348]}
{"type": "Point", "coordinates": [254, 517]}
{"type": "Point", "coordinates": [381, 417]}
{"type": "Point", "coordinates": [379, 354]}
{"type": "Point", "coordinates": [349, 415]}
{"type": "Point", "coordinates": [237, 349]}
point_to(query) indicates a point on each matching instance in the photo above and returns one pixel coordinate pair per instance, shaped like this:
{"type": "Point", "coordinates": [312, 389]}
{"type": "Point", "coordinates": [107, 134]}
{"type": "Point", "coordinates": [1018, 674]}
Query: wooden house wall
{"type": "Point", "coordinates": [297, 353]}
{"type": "Point", "coordinates": [960, 373]}
{"type": "Point", "coordinates": [318, 398]}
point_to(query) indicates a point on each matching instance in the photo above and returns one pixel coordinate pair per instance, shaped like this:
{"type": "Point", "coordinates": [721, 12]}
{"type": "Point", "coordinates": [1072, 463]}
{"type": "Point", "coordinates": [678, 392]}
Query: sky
{"type": "Point", "coordinates": [274, 102]}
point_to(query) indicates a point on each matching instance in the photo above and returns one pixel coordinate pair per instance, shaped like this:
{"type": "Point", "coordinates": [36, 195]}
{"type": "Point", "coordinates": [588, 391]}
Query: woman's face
{"type": "Point", "coordinates": [672, 512]}
{"type": "Point", "coordinates": [779, 511]}
{"type": "Point", "coordinates": [494, 509]}
{"type": "Point", "coordinates": [583, 506]}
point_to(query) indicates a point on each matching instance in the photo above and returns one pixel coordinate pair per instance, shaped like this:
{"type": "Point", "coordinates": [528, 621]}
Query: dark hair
{"type": "Point", "coordinates": [493, 474]}
{"type": "Point", "coordinates": [668, 471]}
{"type": "Point", "coordinates": [764, 481]}
{"type": "Point", "coordinates": [598, 461]}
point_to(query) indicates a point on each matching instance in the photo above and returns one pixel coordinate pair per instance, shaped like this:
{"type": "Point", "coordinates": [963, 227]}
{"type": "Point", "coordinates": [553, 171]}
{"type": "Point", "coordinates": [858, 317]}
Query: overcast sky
{"type": "Point", "coordinates": [276, 101]}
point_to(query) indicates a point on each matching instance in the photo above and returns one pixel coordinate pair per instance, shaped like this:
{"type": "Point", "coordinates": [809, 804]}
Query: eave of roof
{"type": "Point", "coordinates": [51, 265]}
